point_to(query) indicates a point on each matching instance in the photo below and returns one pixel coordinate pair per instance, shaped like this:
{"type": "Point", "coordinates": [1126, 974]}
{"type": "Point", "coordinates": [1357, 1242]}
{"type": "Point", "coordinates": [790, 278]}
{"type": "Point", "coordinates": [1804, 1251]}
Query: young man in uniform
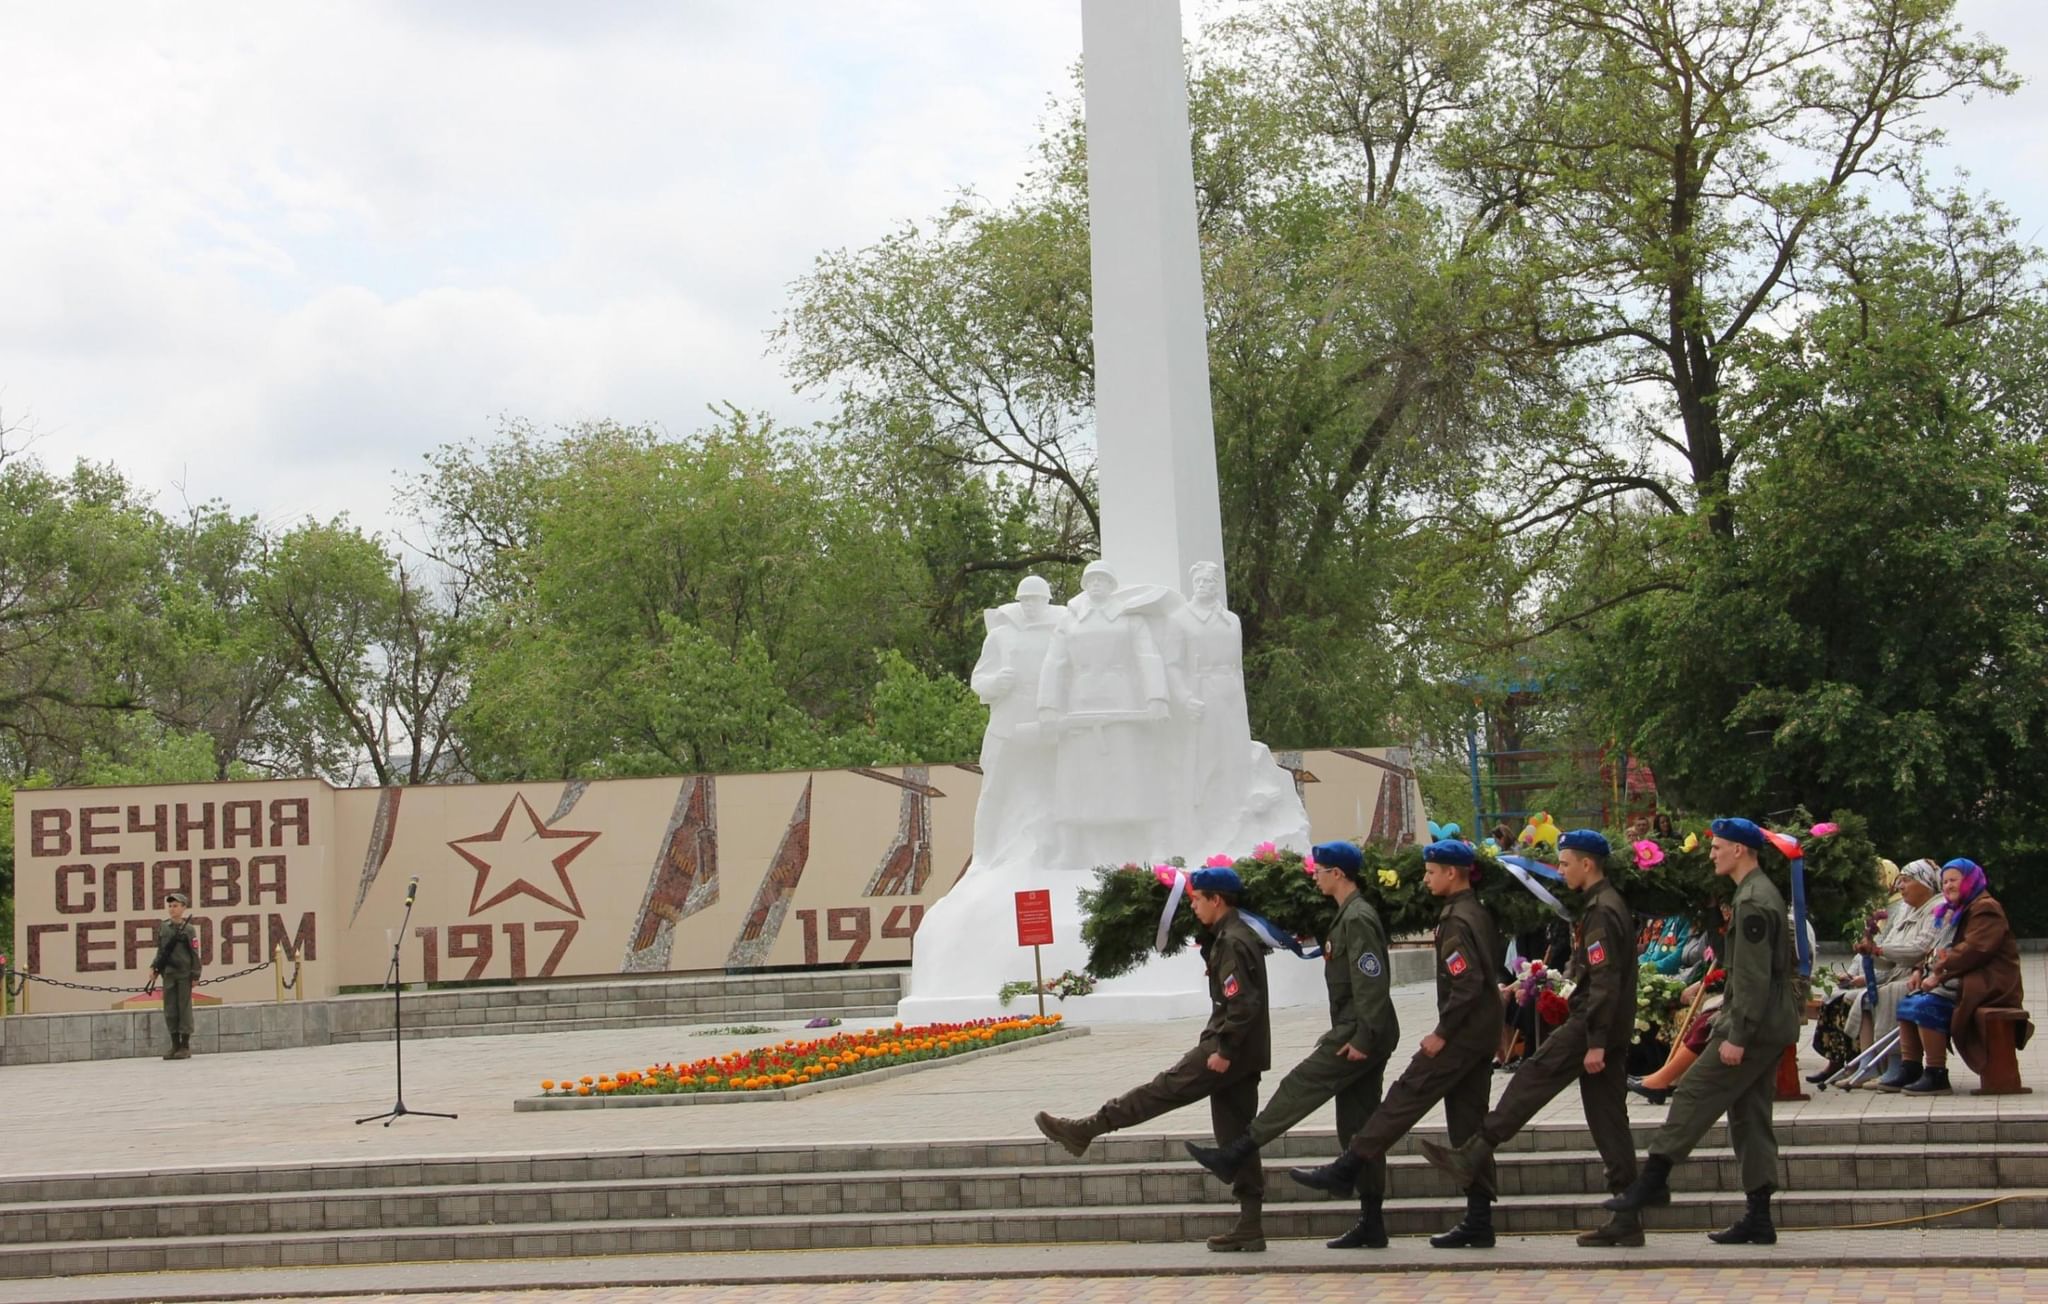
{"type": "Point", "coordinates": [1349, 1061]}
{"type": "Point", "coordinates": [177, 965]}
{"type": "Point", "coordinates": [1590, 1047]}
{"type": "Point", "coordinates": [1737, 1073]}
{"type": "Point", "coordinates": [1455, 1064]}
{"type": "Point", "coordinates": [1236, 1045]}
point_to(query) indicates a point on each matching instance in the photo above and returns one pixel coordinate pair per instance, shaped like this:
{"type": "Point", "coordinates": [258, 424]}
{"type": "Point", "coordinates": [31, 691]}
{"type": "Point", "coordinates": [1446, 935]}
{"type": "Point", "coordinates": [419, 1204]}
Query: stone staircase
{"type": "Point", "coordinates": [1837, 1173]}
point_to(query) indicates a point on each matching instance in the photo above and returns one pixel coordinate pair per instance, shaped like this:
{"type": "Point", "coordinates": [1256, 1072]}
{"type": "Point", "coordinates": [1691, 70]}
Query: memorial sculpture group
{"type": "Point", "coordinates": [1117, 735]}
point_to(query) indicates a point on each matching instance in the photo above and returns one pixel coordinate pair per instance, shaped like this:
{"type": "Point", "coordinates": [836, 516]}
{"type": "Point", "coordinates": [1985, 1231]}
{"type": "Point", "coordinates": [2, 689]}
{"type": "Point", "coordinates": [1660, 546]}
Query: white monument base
{"type": "Point", "coordinates": [966, 948]}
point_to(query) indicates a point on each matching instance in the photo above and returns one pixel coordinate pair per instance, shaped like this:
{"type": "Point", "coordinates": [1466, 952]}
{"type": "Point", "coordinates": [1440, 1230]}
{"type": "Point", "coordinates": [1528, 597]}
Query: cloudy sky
{"type": "Point", "coordinates": [272, 253]}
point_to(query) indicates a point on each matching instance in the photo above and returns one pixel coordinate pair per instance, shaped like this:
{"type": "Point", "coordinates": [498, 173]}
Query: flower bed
{"type": "Point", "coordinates": [801, 1063]}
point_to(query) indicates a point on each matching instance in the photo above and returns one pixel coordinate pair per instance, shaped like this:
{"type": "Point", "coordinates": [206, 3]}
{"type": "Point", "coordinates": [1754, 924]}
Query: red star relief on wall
{"type": "Point", "coordinates": [519, 852]}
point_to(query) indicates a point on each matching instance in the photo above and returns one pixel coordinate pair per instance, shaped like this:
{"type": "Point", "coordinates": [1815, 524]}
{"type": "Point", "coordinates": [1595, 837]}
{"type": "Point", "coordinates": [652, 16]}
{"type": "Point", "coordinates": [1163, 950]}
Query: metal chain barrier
{"type": "Point", "coordinates": [22, 976]}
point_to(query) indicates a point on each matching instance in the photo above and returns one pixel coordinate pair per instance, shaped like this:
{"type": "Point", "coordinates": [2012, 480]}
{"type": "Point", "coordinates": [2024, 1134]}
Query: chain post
{"type": "Point", "coordinates": [277, 969]}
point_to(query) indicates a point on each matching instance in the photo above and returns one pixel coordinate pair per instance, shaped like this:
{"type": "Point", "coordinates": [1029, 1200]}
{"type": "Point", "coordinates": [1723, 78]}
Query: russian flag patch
{"type": "Point", "coordinates": [1596, 953]}
{"type": "Point", "coordinates": [1455, 962]}
{"type": "Point", "coordinates": [1229, 986]}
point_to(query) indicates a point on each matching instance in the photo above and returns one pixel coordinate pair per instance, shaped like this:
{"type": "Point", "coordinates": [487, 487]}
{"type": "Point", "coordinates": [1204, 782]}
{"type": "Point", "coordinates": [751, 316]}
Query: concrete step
{"type": "Point", "coordinates": [509, 1027]}
{"type": "Point", "coordinates": [1566, 1144]}
{"type": "Point", "coordinates": [1128, 1223]}
{"type": "Point", "coordinates": [1569, 1177]}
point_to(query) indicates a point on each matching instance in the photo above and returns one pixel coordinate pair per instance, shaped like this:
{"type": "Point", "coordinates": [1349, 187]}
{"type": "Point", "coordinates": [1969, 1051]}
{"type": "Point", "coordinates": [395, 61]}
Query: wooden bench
{"type": "Point", "coordinates": [1999, 1031]}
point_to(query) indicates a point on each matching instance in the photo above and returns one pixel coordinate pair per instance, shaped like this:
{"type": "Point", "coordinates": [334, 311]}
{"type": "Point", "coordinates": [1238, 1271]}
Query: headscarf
{"type": "Point", "coordinates": [1924, 872]}
{"type": "Point", "coordinates": [1973, 887]}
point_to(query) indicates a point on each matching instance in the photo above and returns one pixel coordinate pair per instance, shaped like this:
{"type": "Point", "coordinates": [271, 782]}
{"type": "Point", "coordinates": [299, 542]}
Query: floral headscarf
{"type": "Point", "coordinates": [1924, 872]}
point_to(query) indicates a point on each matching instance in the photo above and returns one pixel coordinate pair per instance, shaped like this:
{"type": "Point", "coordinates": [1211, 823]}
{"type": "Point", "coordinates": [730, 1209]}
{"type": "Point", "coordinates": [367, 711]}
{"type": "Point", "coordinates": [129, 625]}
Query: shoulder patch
{"type": "Point", "coordinates": [1456, 963]}
{"type": "Point", "coordinates": [1596, 953]}
{"type": "Point", "coordinates": [1754, 928]}
{"type": "Point", "coordinates": [1230, 987]}
{"type": "Point", "coordinates": [1369, 964]}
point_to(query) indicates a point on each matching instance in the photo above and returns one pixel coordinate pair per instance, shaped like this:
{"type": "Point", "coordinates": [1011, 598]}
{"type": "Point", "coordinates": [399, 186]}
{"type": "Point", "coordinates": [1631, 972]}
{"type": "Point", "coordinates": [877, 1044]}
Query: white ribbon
{"type": "Point", "coordinates": [1180, 887]}
{"type": "Point", "coordinates": [1537, 890]}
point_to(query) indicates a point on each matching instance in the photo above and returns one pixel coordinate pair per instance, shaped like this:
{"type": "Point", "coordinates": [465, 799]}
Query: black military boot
{"type": "Point", "coordinates": [1339, 1177]}
{"type": "Point", "coordinates": [1074, 1134]}
{"type": "Point", "coordinates": [1620, 1229]}
{"type": "Point", "coordinates": [1369, 1232]}
{"type": "Point", "coordinates": [1475, 1230]}
{"type": "Point", "coordinates": [1652, 1187]}
{"type": "Point", "coordinates": [183, 1050]}
{"type": "Point", "coordinates": [1224, 1161]}
{"type": "Point", "coordinates": [1754, 1227]}
{"type": "Point", "coordinates": [172, 1053]}
{"type": "Point", "coordinates": [1248, 1236]}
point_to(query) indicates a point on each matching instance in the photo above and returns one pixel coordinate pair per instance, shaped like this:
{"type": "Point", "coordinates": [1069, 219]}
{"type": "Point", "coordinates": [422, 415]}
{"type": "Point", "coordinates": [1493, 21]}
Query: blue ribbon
{"type": "Point", "coordinates": [1799, 938]}
{"type": "Point", "coordinates": [1276, 939]}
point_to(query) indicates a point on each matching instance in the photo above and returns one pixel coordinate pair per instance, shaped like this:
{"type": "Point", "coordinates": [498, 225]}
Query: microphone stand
{"type": "Point", "coordinates": [399, 1110]}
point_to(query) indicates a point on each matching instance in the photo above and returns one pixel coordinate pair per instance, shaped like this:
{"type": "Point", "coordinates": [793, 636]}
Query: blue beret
{"type": "Point", "coordinates": [1340, 855]}
{"type": "Point", "coordinates": [1590, 841]}
{"type": "Point", "coordinates": [1216, 880]}
{"type": "Point", "coordinates": [1740, 830]}
{"type": "Point", "coordinates": [1450, 851]}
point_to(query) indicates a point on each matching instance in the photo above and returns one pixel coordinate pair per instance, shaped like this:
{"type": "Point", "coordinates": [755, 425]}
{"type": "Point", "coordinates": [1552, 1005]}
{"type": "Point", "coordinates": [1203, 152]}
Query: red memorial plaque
{"type": "Point", "coordinates": [1034, 918]}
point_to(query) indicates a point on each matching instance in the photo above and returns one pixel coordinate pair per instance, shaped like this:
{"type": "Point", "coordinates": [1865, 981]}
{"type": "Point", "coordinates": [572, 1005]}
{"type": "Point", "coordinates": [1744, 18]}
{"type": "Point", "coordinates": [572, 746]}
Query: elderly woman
{"type": "Point", "coordinates": [1976, 965]}
{"type": "Point", "coordinates": [1849, 1018]}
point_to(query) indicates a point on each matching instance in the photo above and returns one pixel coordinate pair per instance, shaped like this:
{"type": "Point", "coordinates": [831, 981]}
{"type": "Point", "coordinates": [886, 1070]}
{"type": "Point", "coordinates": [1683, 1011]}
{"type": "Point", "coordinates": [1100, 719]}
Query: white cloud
{"type": "Point", "coordinates": [274, 253]}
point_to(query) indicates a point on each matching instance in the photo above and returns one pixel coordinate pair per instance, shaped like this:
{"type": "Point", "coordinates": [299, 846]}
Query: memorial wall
{"type": "Point", "coordinates": [536, 880]}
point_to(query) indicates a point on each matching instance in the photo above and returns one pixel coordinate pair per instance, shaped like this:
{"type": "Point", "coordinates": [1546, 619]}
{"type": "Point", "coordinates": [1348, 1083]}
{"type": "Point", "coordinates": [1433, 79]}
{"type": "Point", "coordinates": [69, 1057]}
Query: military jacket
{"type": "Point", "coordinates": [1764, 993]}
{"type": "Point", "coordinates": [1603, 968]}
{"type": "Point", "coordinates": [182, 961]}
{"type": "Point", "coordinates": [1468, 1008]}
{"type": "Point", "coordinates": [1240, 1023]}
{"type": "Point", "coordinates": [1359, 972]}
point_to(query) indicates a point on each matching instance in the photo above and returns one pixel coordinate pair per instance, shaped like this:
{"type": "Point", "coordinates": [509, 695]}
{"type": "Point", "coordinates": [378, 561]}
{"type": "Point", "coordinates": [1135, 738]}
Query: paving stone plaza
{"type": "Point", "coordinates": [210, 1178]}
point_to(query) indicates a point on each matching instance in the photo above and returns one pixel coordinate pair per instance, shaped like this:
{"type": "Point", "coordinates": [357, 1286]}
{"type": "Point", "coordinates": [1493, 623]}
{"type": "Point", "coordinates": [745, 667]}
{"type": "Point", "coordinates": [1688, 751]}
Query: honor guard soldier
{"type": "Point", "coordinates": [1737, 1073]}
{"type": "Point", "coordinates": [177, 965]}
{"type": "Point", "coordinates": [1349, 1061]}
{"type": "Point", "coordinates": [1590, 1047]}
{"type": "Point", "coordinates": [1236, 1046]}
{"type": "Point", "coordinates": [1455, 1063]}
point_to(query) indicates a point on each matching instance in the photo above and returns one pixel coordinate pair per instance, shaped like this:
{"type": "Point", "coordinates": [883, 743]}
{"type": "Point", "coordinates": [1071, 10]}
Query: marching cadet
{"type": "Point", "coordinates": [1736, 1074]}
{"type": "Point", "coordinates": [1235, 1047]}
{"type": "Point", "coordinates": [1349, 1061]}
{"type": "Point", "coordinates": [1455, 1063]}
{"type": "Point", "coordinates": [1590, 1047]}
{"type": "Point", "coordinates": [177, 964]}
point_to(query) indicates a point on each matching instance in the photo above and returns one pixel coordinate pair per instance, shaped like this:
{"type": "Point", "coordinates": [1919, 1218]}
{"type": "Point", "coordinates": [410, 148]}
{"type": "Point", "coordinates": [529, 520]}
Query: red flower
{"type": "Point", "coordinates": [1552, 1008]}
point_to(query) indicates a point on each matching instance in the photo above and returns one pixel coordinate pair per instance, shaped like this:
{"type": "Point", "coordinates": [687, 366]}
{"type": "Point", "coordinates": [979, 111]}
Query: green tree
{"type": "Point", "coordinates": [1871, 634]}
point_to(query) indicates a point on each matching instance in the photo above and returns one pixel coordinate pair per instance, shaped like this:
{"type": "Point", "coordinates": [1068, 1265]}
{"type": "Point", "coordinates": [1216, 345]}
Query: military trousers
{"type": "Point", "coordinates": [1461, 1077]}
{"type": "Point", "coordinates": [1555, 1065]}
{"type": "Point", "coordinates": [1744, 1092]}
{"type": "Point", "coordinates": [1327, 1074]}
{"type": "Point", "coordinates": [1233, 1099]}
{"type": "Point", "coordinates": [177, 989]}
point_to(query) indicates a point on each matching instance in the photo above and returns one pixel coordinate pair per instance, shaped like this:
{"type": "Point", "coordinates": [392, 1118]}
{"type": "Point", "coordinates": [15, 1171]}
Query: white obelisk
{"type": "Point", "coordinates": [1156, 463]}
{"type": "Point", "coordinates": [1155, 443]}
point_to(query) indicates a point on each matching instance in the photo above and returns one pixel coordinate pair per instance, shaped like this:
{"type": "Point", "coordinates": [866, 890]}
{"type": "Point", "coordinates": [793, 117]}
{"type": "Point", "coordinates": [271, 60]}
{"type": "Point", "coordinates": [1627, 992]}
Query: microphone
{"type": "Point", "coordinates": [412, 890]}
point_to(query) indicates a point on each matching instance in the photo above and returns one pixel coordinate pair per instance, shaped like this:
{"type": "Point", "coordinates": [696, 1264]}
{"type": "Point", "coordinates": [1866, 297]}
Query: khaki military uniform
{"type": "Point", "coordinates": [1358, 971]}
{"type": "Point", "coordinates": [179, 948]}
{"type": "Point", "coordinates": [1603, 1014]}
{"type": "Point", "coordinates": [1761, 1015]}
{"type": "Point", "coordinates": [1239, 1029]}
{"type": "Point", "coordinates": [1469, 1020]}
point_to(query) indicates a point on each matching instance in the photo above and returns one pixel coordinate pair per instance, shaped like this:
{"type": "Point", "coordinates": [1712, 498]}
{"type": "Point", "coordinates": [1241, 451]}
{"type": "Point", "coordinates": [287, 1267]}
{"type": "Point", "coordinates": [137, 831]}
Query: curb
{"type": "Point", "coordinates": [533, 1104]}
